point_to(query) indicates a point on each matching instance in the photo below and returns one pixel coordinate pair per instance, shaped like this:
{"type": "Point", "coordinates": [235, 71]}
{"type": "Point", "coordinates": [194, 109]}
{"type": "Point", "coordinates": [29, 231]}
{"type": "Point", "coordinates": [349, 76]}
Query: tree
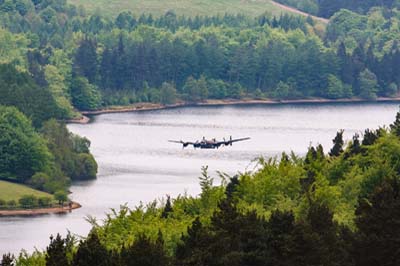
{"type": "Point", "coordinates": [145, 252]}
{"type": "Point", "coordinates": [335, 88]}
{"type": "Point", "coordinates": [28, 201]}
{"type": "Point", "coordinates": [85, 63]}
{"type": "Point", "coordinates": [92, 252]}
{"type": "Point", "coordinates": [85, 96]}
{"type": "Point", "coordinates": [377, 240]}
{"type": "Point", "coordinates": [395, 127]}
{"type": "Point", "coordinates": [7, 260]}
{"type": "Point", "coordinates": [19, 89]}
{"type": "Point", "coordinates": [338, 142]}
{"type": "Point", "coordinates": [168, 93]}
{"type": "Point", "coordinates": [368, 84]}
{"type": "Point", "coordinates": [23, 151]}
{"type": "Point", "coordinates": [56, 252]}
{"type": "Point", "coordinates": [61, 197]}
{"type": "Point", "coordinates": [282, 91]}
{"type": "Point", "coordinates": [167, 209]}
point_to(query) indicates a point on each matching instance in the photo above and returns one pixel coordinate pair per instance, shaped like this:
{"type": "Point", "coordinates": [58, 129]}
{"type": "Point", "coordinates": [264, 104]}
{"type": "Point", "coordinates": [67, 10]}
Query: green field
{"type": "Point", "coordinates": [181, 7]}
{"type": "Point", "coordinates": [10, 191]}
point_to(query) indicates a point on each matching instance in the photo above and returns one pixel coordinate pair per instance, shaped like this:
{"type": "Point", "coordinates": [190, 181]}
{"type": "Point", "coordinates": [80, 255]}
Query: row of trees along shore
{"type": "Point", "coordinates": [88, 61]}
{"type": "Point", "coordinates": [335, 208]}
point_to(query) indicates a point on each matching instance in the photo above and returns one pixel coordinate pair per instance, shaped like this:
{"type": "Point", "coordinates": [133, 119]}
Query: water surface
{"type": "Point", "coordinates": [136, 163]}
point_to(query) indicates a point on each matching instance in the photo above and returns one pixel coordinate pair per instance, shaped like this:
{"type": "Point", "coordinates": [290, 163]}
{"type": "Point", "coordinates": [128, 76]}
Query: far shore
{"type": "Point", "coordinates": [33, 212]}
{"type": "Point", "coordinates": [153, 106]}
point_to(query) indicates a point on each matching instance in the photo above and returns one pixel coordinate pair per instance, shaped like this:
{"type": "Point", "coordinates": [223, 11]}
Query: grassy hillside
{"type": "Point", "coordinates": [181, 7]}
{"type": "Point", "coordinates": [11, 191]}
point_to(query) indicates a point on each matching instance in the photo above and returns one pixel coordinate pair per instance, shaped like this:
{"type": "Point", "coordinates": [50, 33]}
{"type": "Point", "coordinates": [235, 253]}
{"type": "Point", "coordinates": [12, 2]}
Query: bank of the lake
{"type": "Point", "coordinates": [41, 211]}
{"type": "Point", "coordinates": [13, 192]}
{"type": "Point", "coordinates": [137, 107]}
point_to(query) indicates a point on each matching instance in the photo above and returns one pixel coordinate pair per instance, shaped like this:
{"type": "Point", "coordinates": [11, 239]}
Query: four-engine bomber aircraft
{"type": "Point", "coordinates": [208, 144]}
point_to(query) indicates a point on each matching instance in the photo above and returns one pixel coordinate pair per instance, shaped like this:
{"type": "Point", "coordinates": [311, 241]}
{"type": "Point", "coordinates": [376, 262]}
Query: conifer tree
{"type": "Point", "coordinates": [395, 127]}
{"type": "Point", "coordinates": [377, 240]}
{"type": "Point", "coordinates": [91, 252]}
{"type": "Point", "coordinates": [145, 252]}
{"type": "Point", "coordinates": [167, 209]}
{"type": "Point", "coordinates": [338, 142]}
{"type": "Point", "coordinates": [7, 260]}
{"type": "Point", "coordinates": [57, 252]}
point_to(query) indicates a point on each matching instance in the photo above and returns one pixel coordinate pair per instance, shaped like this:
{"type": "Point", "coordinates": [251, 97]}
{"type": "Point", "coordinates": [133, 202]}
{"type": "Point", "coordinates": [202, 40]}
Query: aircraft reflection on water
{"type": "Point", "coordinates": [208, 144]}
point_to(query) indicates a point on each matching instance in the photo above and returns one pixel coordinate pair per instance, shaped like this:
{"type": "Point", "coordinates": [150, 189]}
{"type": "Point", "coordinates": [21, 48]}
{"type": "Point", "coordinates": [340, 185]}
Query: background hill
{"type": "Point", "coordinates": [181, 7]}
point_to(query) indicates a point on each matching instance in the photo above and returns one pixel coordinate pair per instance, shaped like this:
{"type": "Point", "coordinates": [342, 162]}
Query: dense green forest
{"type": "Point", "coordinates": [328, 208]}
{"type": "Point", "coordinates": [91, 61]}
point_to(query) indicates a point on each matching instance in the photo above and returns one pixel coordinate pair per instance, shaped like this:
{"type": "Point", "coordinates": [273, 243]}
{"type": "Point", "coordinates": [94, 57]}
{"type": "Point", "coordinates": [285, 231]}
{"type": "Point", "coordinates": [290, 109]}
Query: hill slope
{"type": "Point", "coordinates": [12, 191]}
{"type": "Point", "coordinates": [181, 7]}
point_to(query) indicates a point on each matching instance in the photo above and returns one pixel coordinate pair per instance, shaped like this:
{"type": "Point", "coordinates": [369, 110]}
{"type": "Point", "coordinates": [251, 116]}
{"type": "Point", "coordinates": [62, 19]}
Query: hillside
{"type": "Point", "coordinates": [181, 7]}
{"type": "Point", "coordinates": [12, 191]}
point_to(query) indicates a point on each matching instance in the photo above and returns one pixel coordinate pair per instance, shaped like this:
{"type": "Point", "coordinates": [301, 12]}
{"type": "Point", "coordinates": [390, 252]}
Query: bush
{"type": "Point", "coordinates": [44, 201]}
{"type": "Point", "coordinates": [2, 203]}
{"type": "Point", "coordinates": [11, 203]}
{"type": "Point", "coordinates": [61, 196]}
{"type": "Point", "coordinates": [38, 180]}
{"type": "Point", "coordinates": [28, 201]}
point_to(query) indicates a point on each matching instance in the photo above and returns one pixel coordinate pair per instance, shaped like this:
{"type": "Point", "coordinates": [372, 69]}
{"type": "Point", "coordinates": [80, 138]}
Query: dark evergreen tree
{"type": "Point", "coordinates": [232, 187]}
{"type": "Point", "coordinates": [370, 137]}
{"type": "Point", "coordinates": [56, 252]}
{"type": "Point", "coordinates": [92, 252]}
{"type": "Point", "coordinates": [7, 260]}
{"type": "Point", "coordinates": [168, 208]}
{"type": "Point", "coordinates": [338, 142]}
{"type": "Point", "coordinates": [377, 240]}
{"type": "Point", "coordinates": [145, 252]}
{"type": "Point", "coordinates": [355, 147]}
{"type": "Point", "coordinates": [395, 127]}
{"type": "Point", "coordinates": [85, 61]}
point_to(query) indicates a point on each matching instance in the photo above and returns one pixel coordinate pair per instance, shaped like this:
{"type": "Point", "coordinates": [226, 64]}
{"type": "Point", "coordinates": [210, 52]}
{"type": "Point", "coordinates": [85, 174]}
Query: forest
{"type": "Point", "coordinates": [339, 207]}
{"type": "Point", "coordinates": [88, 61]}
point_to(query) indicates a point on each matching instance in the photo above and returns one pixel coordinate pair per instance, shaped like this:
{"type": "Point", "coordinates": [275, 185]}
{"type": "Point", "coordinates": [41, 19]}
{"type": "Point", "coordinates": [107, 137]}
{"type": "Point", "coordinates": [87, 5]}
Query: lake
{"type": "Point", "coordinates": [137, 163]}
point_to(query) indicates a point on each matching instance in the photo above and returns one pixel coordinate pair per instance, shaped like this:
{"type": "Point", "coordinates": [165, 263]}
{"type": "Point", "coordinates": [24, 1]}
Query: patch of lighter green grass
{"type": "Point", "coordinates": [180, 7]}
{"type": "Point", "coordinates": [10, 191]}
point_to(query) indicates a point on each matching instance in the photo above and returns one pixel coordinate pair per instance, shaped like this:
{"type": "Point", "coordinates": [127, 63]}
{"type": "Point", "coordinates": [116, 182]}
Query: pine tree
{"type": "Point", "coordinates": [57, 252]}
{"type": "Point", "coordinates": [7, 260]}
{"type": "Point", "coordinates": [395, 127]}
{"type": "Point", "coordinates": [338, 142]}
{"type": "Point", "coordinates": [145, 252]}
{"type": "Point", "coordinates": [91, 252]}
{"type": "Point", "coordinates": [167, 209]}
{"type": "Point", "coordinates": [377, 240]}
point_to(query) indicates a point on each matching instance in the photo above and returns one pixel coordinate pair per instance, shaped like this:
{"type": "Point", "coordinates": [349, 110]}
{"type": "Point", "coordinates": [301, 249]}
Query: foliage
{"type": "Point", "coordinates": [19, 89]}
{"type": "Point", "coordinates": [61, 197]}
{"type": "Point", "coordinates": [71, 152]}
{"type": "Point", "coordinates": [7, 260]}
{"type": "Point", "coordinates": [84, 95]}
{"type": "Point", "coordinates": [23, 151]}
{"type": "Point", "coordinates": [57, 252]}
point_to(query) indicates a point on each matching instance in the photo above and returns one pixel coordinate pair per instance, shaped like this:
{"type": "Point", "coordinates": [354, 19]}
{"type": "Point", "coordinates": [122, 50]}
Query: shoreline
{"type": "Point", "coordinates": [42, 211]}
{"type": "Point", "coordinates": [138, 107]}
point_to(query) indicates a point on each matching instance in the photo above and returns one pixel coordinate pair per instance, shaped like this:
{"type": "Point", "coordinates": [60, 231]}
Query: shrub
{"type": "Point", "coordinates": [11, 203]}
{"type": "Point", "coordinates": [28, 201]}
{"type": "Point", "coordinates": [44, 201]}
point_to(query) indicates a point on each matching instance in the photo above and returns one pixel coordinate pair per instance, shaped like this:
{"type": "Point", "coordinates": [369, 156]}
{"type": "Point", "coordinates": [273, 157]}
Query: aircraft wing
{"type": "Point", "coordinates": [236, 140]}
{"type": "Point", "coordinates": [181, 142]}
{"type": "Point", "coordinates": [230, 141]}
